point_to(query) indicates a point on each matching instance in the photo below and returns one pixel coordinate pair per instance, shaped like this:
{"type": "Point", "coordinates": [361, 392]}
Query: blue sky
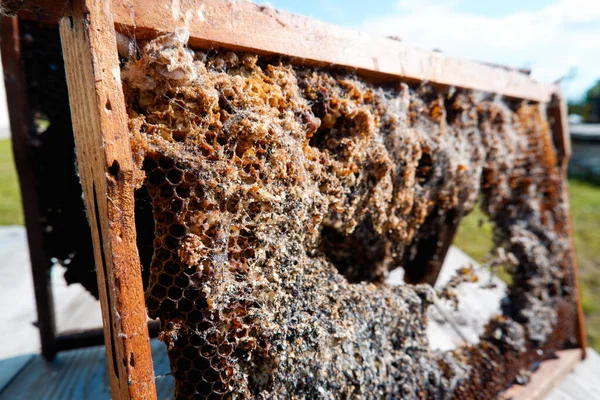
{"type": "Point", "coordinates": [555, 38]}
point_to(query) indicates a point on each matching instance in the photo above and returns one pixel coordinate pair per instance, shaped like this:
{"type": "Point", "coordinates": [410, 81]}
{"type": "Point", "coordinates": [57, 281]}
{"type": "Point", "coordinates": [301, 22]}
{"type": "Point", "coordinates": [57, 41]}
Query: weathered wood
{"type": "Point", "coordinates": [582, 383]}
{"type": "Point", "coordinates": [48, 11]}
{"type": "Point", "coordinates": [101, 128]}
{"type": "Point", "coordinates": [547, 377]}
{"type": "Point", "coordinates": [557, 114]}
{"type": "Point", "coordinates": [22, 131]}
{"type": "Point", "coordinates": [107, 173]}
{"type": "Point", "coordinates": [242, 25]}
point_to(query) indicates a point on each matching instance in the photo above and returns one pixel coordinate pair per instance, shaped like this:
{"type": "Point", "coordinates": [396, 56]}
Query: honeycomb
{"type": "Point", "coordinates": [282, 196]}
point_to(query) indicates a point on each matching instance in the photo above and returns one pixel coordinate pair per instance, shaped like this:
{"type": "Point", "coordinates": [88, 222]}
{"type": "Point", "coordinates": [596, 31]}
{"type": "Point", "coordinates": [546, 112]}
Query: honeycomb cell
{"type": "Point", "coordinates": [208, 351]}
{"type": "Point", "coordinates": [175, 293]}
{"type": "Point", "coordinates": [182, 191]}
{"type": "Point", "coordinates": [165, 279]}
{"type": "Point", "coordinates": [171, 268]}
{"type": "Point", "coordinates": [166, 191]}
{"type": "Point", "coordinates": [201, 363]}
{"type": "Point", "coordinates": [283, 195]}
{"type": "Point", "coordinates": [183, 305]}
{"type": "Point", "coordinates": [168, 305]}
{"type": "Point", "coordinates": [166, 163]}
{"type": "Point", "coordinates": [182, 282]}
{"type": "Point", "coordinates": [162, 254]}
{"type": "Point", "coordinates": [156, 178]}
{"type": "Point", "coordinates": [171, 243]}
{"type": "Point", "coordinates": [183, 364]}
{"type": "Point", "coordinates": [204, 388]}
{"type": "Point", "coordinates": [159, 292]}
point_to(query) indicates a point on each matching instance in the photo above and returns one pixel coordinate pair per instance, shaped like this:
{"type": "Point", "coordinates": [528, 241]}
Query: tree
{"type": "Point", "coordinates": [593, 92]}
{"type": "Point", "coordinates": [586, 106]}
{"type": "Point", "coordinates": [592, 100]}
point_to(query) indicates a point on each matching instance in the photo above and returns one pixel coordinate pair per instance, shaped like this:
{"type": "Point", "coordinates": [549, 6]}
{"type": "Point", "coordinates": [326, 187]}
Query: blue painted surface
{"type": "Point", "coordinates": [11, 367]}
{"type": "Point", "coordinates": [77, 374]}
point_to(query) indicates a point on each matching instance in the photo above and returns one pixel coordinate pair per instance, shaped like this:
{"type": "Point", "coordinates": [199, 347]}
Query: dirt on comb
{"type": "Point", "coordinates": [281, 197]}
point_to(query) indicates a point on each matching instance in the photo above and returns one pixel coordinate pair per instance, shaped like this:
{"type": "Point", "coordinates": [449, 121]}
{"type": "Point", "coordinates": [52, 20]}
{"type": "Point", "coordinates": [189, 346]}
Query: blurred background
{"type": "Point", "coordinates": [558, 40]}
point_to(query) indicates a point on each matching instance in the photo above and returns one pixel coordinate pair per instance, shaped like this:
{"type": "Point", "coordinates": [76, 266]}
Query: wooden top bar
{"type": "Point", "coordinates": [242, 25]}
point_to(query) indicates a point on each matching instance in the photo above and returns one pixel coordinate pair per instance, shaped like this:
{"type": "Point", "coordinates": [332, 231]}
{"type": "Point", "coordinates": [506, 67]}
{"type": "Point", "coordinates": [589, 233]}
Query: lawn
{"type": "Point", "coordinates": [10, 198]}
{"type": "Point", "coordinates": [473, 237]}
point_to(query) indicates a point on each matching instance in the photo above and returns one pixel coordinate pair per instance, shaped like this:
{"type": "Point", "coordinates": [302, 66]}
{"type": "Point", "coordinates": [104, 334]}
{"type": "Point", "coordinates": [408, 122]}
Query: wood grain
{"type": "Point", "coordinates": [100, 124]}
{"type": "Point", "coordinates": [547, 377]}
{"type": "Point", "coordinates": [583, 383]}
{"type": "Point", "coordinates": [557, 115]}
{"type": "Point", "coordinates": [242, 25]}
{"type": "Point", "coordinates": [106, 169]}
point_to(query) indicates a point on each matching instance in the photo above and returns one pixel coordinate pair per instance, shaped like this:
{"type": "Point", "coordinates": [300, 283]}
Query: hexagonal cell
{"type": "Point", "coordinates": [283, 196]}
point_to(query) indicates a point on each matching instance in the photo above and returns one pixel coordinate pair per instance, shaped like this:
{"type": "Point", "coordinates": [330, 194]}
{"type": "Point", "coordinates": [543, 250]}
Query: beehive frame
{"type": "Point", "coordinates": [100, 123]}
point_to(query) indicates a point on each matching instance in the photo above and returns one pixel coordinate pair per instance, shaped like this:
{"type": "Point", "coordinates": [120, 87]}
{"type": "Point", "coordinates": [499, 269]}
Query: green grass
{"type": "Point", "coordinates": [474, 235]}
{"type": "Point", "coordinates": [475, 238]}
{"type": "Point", "coordinates": [11, 212]}
{"type": "Point", "coordinates": [585, 210]}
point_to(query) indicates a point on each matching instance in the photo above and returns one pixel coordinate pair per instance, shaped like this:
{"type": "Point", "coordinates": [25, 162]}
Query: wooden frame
{"type": "Point", "coordinates": [547, 377]}
{"type": "Point", "coordinates": [260, 29]}
{"type": "Point", "coordinates": [88, 30]}
{"type": "Point", "coordinates": [31, 155]}
{"type": "Point", "coordinates": [22, 130]}
{"type": "Point", "coordinates": [106, 169]}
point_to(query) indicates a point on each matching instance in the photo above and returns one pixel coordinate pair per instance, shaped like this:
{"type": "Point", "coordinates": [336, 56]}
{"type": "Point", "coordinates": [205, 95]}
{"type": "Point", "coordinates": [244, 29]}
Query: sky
{"type": "Point", "coordinates": [555, 38]}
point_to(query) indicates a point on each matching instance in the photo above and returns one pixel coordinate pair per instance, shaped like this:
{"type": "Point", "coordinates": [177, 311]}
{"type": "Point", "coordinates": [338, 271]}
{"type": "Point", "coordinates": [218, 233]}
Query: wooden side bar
{"type": "Point", "coordinates": [107, 173]}
{"type": "Point", "coordinates": [557, 115]}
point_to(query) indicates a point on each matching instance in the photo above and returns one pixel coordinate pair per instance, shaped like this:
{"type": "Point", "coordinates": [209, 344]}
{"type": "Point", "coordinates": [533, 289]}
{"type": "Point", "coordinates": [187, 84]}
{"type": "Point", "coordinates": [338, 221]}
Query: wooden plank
{"type": "Point", "coordinates": [17, 331]}
{"type": "Point", "coordinates": [43, 10]}
{"type": "Point", "coordinates": [478, 302]}
{"type": "Point", "coordinates": [547, 377]}
{"type": "Point", "coordinates": [11, 367]}
{"type": "Point", "coordinates": [557, 115]}
{"type": "Point", "coordinates": [75, 374]}
{"type": "Point", "coordinates": [107, 173]}
{"type": "Point", "coordinates": [78, 374]}
{"type": "Point", "coordinates": [242, 25]}
{"type": "Point", "coordinates": [582, 383]}
{"type": "Point", "coordinates": [449, 328]}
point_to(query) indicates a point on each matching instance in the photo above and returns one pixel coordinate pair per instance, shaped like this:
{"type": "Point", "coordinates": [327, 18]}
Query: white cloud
{"type": "Point", "coordinates": [553, 40]}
